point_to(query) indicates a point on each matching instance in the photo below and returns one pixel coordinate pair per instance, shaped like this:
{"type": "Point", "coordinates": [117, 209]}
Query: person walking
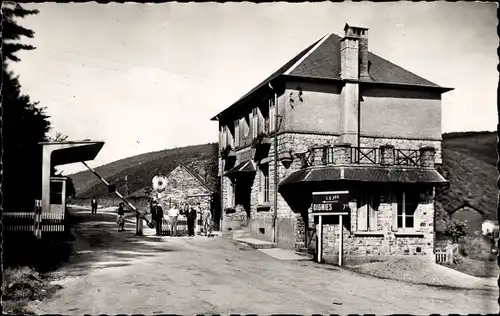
{"type": "Point", "coordinates": [207, 222]}
{"type": "Point", "coordinates": [93, 205]}
{"type": "Point", "coordinates": [191, 218]}
{"type": "Point", "coordinates": [173, 214]}
{"type": "Point", "coordinates": [120, 219]}
{"type": "Point", "coordinates": [157, 216]}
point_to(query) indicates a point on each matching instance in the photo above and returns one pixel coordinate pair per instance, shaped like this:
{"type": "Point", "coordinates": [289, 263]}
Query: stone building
{"type": "Point", "coordinates": [184, 185]}
{"type": "Point", "coordinates": [335, 117]}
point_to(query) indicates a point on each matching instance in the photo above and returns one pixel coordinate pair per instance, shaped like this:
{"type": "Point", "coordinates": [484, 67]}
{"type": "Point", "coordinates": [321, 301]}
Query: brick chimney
{"type": "Point", "coordinates": [354, 53]}
{"type": "Point", "coordinates": [353, 66]}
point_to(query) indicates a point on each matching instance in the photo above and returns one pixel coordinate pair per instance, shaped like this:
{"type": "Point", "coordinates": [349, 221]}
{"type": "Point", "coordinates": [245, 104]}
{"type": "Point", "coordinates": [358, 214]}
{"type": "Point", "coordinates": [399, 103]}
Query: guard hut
{"type": "Point", "coordinates": [53, 202]}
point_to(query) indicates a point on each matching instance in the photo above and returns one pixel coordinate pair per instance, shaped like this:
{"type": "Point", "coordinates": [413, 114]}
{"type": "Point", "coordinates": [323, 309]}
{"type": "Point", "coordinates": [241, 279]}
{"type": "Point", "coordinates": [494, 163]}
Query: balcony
{"type": "Point", "coordinates": [385, 156]}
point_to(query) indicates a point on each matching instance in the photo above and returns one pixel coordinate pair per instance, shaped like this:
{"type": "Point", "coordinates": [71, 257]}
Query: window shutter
{"type": "Point", "coordinates": [373, 218]}
{"type": "Point", "coordinates": [272, 115]}
{"type": "Point", "coordinates": [362, 216]}
{"type": "Point", "coordinates": [417, 217]}
{"type": "Point", "coordinates": [229, 192]}
{"type": "Point", "coordinates": [224, 137]}
{"type": "Point", "coordinates": [237, 133]}
{"type": "Point", "coordinates": [261, 184]}
{"type": "Point", "coordinates": [394, 212]}
{"type": "Point", "coordinates": [255, 123]}
{"type": "Point", "coordinates": [220, 140]}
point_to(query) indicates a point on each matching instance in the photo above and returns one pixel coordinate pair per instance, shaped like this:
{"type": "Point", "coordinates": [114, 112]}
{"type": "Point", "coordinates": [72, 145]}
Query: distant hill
{"type": "Point", "coordinates": [140, 169]}
{"type": "Point", "coordinates": [469, 163]}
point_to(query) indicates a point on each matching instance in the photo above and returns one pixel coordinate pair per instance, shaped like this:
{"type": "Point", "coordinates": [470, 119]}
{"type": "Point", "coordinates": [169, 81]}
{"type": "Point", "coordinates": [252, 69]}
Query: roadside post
{"type": "Point", "coordinates": [330, 203]}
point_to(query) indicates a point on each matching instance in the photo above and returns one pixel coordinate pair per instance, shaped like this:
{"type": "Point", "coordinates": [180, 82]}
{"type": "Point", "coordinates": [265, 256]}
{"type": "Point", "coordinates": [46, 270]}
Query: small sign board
{"type": "Point", "coordinates": [330, 203]}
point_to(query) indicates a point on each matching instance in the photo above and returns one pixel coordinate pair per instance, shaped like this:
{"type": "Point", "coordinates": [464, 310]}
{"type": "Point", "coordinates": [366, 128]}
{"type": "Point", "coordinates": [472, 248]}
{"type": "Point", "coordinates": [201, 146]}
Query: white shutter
{"type": "Point", "coordinates": [395, 199]}
{"type": "Point", "coordinates": [362, 215]}
{"type": "Point", "coordinates": [255, 123]}
{"type": "Point", "coordinates": [373, 217]}
{"type": "Point", "coordinates": [417, 219]}
{"type": "Point", "coordinates": [224, 137]}
{"type": "Point", "coordinates": [261, 185]}
{"type": "Point", "coordinates": [237, 133]}
{"type": "Point", "coordinates": [221, 145]}
{"type": "Point", "coordinates": [272, 115]}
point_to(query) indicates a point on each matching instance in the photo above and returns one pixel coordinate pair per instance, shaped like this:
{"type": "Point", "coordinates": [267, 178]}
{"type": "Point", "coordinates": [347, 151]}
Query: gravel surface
{"type": "Point", "coordinates": [424, 271]}
{"type": "Point", "coordinates": [118, 273]}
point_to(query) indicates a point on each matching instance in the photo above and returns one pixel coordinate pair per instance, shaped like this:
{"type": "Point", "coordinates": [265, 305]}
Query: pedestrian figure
{"type": "Point", "coordinates": [207, 222]}
{"type": "Point", "coordinates": [93, 204]}
{"type": "Point", "coordinates": [120, 219]}
{"type": "Point", "coordinates": [191, 218]}
{"type": "Point", "coordinates": [157, 216]}
{"type": "Point", "coordinates": [173, 214]}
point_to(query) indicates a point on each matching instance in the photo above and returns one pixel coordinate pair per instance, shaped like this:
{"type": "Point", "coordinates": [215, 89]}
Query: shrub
{"type": "Point", "coordinates": [456, 230]}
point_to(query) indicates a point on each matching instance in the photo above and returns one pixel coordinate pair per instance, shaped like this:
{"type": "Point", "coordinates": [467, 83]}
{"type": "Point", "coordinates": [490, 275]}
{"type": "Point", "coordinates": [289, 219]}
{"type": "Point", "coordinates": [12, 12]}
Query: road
{"type": "Point", "coordinates": [119, 273]}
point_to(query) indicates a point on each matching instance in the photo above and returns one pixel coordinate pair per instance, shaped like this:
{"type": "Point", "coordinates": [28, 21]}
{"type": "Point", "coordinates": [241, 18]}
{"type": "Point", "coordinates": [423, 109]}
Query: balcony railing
{"type": "Point", "coordinates": [385, 155]}
{"type": "Point", "coordinates": [365, 155]}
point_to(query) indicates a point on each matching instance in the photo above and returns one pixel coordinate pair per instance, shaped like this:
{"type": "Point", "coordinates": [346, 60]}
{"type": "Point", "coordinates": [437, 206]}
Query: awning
{"type": "Point", "coordinates": [365, 174]}
{"type": "Point", "coordinates": [246, 166]}
{"type": "Point", "coordinates": [73, 151]}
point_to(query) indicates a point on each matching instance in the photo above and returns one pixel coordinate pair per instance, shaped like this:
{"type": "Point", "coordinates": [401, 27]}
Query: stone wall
{"type": "Point", "coordinates": [384, 242]}
{"type": "Point", "coordinates": [400, 143]}
{"type": "Point", "coordinates": [183, 187]}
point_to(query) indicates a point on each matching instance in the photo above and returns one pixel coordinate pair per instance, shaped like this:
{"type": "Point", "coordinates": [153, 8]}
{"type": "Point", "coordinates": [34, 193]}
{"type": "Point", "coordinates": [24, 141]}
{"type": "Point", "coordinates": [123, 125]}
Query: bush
{"type": "Point", "coordinates": [455, 230]}
{"type": "Point", "coordinates": [22, 285]}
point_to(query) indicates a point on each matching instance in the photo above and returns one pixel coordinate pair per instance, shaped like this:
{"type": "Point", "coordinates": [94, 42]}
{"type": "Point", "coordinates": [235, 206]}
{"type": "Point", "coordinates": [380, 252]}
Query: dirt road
{"type": "Point", "coordinates": [120, 273]}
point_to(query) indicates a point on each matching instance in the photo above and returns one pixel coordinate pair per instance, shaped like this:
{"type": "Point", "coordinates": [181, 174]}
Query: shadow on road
{"type": "Point", "coordinates": [98, 244]}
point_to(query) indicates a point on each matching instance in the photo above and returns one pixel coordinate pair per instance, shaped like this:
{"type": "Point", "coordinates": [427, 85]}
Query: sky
{"type": "Point", "coordinates": [146, 77]}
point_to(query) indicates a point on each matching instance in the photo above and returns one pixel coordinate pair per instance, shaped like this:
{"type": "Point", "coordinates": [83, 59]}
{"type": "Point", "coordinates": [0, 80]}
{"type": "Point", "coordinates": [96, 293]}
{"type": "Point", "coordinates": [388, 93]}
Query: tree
{"type": "Point", "coordinates": [24, 122]}
{"type": "Point", "coordinates": [456, 230]}
{"type": "Point", "coordinates": [13, 32]}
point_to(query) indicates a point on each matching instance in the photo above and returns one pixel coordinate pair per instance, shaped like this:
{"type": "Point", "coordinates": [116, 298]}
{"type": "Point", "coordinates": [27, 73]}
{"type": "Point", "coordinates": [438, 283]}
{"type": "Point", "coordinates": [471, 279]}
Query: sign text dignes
{"type": "Point", "coordinates": [330, 202]}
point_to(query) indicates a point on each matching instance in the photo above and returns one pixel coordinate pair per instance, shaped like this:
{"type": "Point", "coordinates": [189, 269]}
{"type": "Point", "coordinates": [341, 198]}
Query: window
{"type": "Point", "coordinates": [236, 133]}
{"type": "Point", "coordinates": [246, 125]}
{"type": "Point", "coordinates": [407, 203]}
{"type": "Point", "coordinates": [272, 114]}
{"type": "Point", "coordinates": [264, 183]}
{"type": "Point", "coordinates": [367, 213]}
{"type": "Point", "coordinates": [56, 192]}
{"type": "Point", "coordinates": [255, 122]}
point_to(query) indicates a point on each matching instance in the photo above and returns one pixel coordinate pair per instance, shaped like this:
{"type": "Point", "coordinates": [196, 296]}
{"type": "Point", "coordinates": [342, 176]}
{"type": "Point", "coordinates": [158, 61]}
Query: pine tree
{"type": "Point", "coordinates": [24, 122]}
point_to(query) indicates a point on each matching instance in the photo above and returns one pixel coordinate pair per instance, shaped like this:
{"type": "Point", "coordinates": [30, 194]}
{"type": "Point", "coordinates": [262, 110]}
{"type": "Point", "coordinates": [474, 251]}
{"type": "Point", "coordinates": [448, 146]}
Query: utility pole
{"type": "Point", "coordinates": [275, 208]}
{"type": "Point", "coordinates": [126, 186]}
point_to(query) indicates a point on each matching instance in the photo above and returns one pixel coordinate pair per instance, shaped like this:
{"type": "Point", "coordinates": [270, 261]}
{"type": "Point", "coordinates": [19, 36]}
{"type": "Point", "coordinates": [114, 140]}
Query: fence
{"type": "Point", "coordinates": [25, 222]}
{"type": "Point", "coordinates": [445, 254]}
{"type": "Point", "coordinates": [182, 228]}
{"type": "Point", "coordinates": [19, 221]}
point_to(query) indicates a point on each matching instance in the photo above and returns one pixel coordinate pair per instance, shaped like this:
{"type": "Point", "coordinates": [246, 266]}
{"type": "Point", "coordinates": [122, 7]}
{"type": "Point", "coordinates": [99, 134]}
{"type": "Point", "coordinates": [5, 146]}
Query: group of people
{"type": "Point", "coordinates": [172, 215]}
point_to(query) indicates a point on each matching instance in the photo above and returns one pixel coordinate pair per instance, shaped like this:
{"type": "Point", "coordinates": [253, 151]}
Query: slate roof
{"type": "Point", "coordinates": [321, 60]}
{"type": "Point", "coordinates": [245, 166]}
{"type": "Point", "coordinates": [364, 174]}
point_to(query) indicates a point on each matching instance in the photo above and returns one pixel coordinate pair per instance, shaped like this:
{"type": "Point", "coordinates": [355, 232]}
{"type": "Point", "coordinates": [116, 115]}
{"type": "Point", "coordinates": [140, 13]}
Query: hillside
{"type": "Point", "coordinates": [469, 163]}
{"type": "Point", "coordinates": [142, 168]}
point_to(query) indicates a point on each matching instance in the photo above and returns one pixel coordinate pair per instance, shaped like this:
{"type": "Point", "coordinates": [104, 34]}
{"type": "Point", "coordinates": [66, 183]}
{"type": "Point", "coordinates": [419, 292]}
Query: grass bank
{"type": "Point", "coordinates": [28, 264]}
